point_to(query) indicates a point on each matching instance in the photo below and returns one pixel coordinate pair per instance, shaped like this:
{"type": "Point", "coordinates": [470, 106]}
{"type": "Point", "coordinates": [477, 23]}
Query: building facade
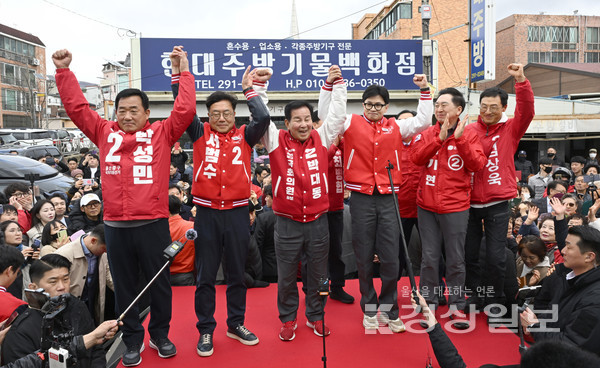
{"type": "Point", "coordinates": [22, 79]}
{"type": "Point", "coordinates": [401, 20]}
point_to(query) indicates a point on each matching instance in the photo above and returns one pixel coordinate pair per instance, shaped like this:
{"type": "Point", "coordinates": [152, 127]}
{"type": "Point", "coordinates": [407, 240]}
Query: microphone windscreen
{"type": "Point", "coordinates": [191, 234]}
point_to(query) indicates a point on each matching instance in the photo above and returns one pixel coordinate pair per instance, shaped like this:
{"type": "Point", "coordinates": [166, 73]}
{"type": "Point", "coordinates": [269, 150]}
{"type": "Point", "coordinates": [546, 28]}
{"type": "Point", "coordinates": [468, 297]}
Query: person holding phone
{"type": "Point", "coordinates": [54, 236]}
{"type": "Point", "coordinates": [178, 158]}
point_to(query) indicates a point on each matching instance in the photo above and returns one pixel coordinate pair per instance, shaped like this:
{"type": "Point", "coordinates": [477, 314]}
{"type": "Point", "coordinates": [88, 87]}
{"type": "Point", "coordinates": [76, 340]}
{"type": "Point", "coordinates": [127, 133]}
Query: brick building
{"type": "Point", "coordinates": [545, 39]}
{"type": "Point", "coordinates": [402, 20]}
{"type": "Point", "coordinates": [22, 78]}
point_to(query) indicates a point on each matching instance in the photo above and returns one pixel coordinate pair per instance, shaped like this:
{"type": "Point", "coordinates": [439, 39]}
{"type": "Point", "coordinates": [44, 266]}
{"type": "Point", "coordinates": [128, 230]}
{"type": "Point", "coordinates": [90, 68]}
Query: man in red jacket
{"type": "Point", "coordinates": [495, 185]}
{"type": "Point", "coordinates": [449, 154]}
{"type": "Point", "coordinates": [298, 159]}
{"type": "Point", "coordinates": [134, 161]}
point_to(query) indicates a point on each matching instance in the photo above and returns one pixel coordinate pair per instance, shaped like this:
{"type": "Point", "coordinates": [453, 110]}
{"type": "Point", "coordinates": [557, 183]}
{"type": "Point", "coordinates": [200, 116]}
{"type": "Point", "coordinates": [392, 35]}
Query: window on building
{"type": "Point", "coordinates": [387, 25]}
{"type": "Point", "coordinates": [562, 38]}
{"type": "Point", "coordinates": [592, 57]}
{"type": "Point", "coordinates": [552, 57]}
{"type": "Point", "coordinates": [9, 99]}
{"type": "Point", "coordinates": [592, 38]}
{"type": "Point", "coordinates": [9, 74]}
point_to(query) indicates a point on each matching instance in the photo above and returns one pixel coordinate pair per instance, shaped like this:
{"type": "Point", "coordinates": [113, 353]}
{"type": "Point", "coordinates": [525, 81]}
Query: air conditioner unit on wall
{"type": "Point", "coordinates": [35, 62]}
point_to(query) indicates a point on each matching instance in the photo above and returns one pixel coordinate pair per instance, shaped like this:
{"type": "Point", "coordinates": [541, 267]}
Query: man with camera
{"type": "Point", "coordinates": [51, 274]}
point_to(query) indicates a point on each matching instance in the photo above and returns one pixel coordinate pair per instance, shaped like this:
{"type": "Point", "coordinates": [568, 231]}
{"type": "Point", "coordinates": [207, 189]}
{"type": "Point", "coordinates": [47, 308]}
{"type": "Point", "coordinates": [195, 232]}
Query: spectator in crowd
{"type": "Point", "coordinates": [523, 165]}
{"type": "Point", "coordinates": [572, 204]}
{"type": "Point", "coordinates": [60, 207]}
{"type": "Point", "coordinates": [182, 267]}
{"type": "Point", "coordinates": [264, 237]}
{"type": "Point", "coordinates": [370, 141]}
{"type": "Point", "coordinates": [19, 195]}
{"type": "Point", "coordinates": [11, 235]}
{"type": "Point", "coordinates": [260, 173]}
{"type": "Point", "coordinates": [532, 263]}
{"type": "Point", "coordinates": [556, 161]}
{"type": "Point", "coordinates": [581, 189]}
{"type": "Point", "coordinates": [178, 157]}
{"type": "Point", "coordinates": [407, 197]}
{"type": "Point", "coordinates": [592, 169]}
{"type": "Point", "coordinates": [259, 153]}
{"type": "Point", "coordinates": [577, 165]}
{"type": "Point", "coordinates": [51, 273]}
{"type": "Point", "coordinates": [11, 261]}
{"type": "Point", "coordinates": [90, 216]}
{"type": "Point", "coordinates": [451, 154]}
{"type": "Point", "coordinates": [9, 213]}
{"type": "Point", "coordinates": [185, 211]}
{"type": "Point", "coordinates": [89, 274]}
{"type": "Point", "coordinates": [526, 193]}
{"type": "Point", "coordinates": [553, 231]}
{"type": "Point", "coordinates": [577, 220]}
{"type": "Point", "coordinates": [592, 157]}
{"type": "Point", "coordinates": [562, 173]}
{"type": "Point", "coordinates": [54, 163]}
{"type": "Point", "coordinates": [576, 293]}
{"type": "Point", "coordinates": [540, 180]}
{"type": "Point", "coordinates": [301, 230]}
{"type": "Point", "coordinates": [54, 236]}
{"type": "Point", "coordinates": [72, 164]}
{"type": "Point", "coordinates": [220, 189]}
{"type": "Point", "coordinates": [136, 233]}
{"type": "Point", "coordinates": [556, 188]}
{"type": "Point", "coordinates": [42, 213]}
{"type": "Point", "coordinates": [174, 175]}
{"type": "Point", "coordinates": [526, 224]}
{"type": "Point", "coordinates": [92, 170]}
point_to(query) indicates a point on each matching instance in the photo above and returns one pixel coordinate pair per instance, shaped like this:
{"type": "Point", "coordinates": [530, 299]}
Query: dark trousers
{"type": "Point", "coordinates": [495, 222]}
{"type": "Point", "coordinates": [375, 230]}
{"type": "Point", "coordinates": [337, 268]}
{"type": "Point", "coordinates": [296, 241]}
{"type": "Point", "coordinates": [407, 227]}
{"type": "Point", "coordinates": [221, 234]}
{"type": "Point", "coordinates": [135, 249]}
{"type": "Point", "coordinates": [447, 230]}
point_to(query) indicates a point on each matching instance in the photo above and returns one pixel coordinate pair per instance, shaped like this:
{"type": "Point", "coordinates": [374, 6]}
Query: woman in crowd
{"type": "Point", "coordinates": [572, 204]}
{"type": "Point", "coordinates": [41, 214]}
{"type": "Point", "coordinates": [11, 235]}
{"type": "Point", "coordinates": [532, 263]}
{"type": "Point", "coordinates": [54, 236]}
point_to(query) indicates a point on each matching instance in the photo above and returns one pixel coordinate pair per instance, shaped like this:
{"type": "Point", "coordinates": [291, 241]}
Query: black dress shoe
{"type": "Point", "coordinates": [338, 293]}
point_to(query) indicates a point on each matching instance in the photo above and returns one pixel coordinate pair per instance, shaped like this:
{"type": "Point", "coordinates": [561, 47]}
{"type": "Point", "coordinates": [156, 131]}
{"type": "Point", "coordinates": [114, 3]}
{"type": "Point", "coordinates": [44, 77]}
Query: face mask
{"type": "Point", "coordinates": [550, 155]}
{"type": "Point", "coordinates": [592, 155]}
{"type": "Point", "coordinates": [526, 196]}
{"type": "Point", "coordinates": [521, 158]}
{"type": "Point", "coordinates": [548, 169]}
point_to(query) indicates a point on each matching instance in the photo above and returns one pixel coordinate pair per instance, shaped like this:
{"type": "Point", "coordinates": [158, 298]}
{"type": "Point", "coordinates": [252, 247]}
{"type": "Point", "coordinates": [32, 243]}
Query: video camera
{"type": "Point", "coordinates": [57, 332]}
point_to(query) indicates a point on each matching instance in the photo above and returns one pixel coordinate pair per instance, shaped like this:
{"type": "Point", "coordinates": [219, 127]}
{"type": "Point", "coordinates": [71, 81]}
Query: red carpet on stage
{"type": "Point", "coordinates": [347, 346]}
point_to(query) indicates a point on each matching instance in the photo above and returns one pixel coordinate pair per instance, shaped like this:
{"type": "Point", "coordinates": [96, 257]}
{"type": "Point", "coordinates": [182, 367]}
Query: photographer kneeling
{"type": "Point", "coordinates": [51, 273]}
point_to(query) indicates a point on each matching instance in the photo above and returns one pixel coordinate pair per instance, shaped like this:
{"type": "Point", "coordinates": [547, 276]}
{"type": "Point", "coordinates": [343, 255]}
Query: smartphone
{"type": "Point", "coordinates": [62, 234]}
{"type": "Point", "coordinates": [9, 320]}
{"type": "Point", "coordinates": [36, 298]}
{"type": "Point", "coordinates": [89, 182]}
{"type": "Point", "coordinates": [36, 244]}
{"type": "Point", "coordinates": [177, 145]}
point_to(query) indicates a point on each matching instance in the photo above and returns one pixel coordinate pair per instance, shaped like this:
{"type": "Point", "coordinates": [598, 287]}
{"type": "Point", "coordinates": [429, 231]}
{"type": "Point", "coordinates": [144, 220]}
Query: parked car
{"type": "Point", "coordinates": [7, 139]}
{"type": "Point", "coordinates": [14, 169]}
{"type": "Point", "coordinates": [34, 152]}
{"type": "Point", "coordinates": [35, 137]}
{"type": "Point", "coordinates": [80, 140]}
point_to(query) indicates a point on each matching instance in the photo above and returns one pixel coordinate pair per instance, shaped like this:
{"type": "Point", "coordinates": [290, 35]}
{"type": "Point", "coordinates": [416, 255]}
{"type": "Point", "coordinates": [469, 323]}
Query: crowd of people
{"type": "Point", "coordinates": [272, 205]}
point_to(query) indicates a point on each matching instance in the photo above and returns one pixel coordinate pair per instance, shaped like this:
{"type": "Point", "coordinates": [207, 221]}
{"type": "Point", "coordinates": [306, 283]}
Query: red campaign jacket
{"type": "Point", "coordinates": [335, 156]}
{"type": "Point", "coordinates": [411, 174]}
{"type": "Point", "coordinates": [135, 166]}
{"type": "Point", "coordinates": [299, 171]}
{"type": "Point", "coordinates": [496, 181]}
{"type": "Point", "coordinates": [445, 184]}
{"type": "Point", "coordinates": [222, 175]}
{"type": "Point", "coordinates": [368, 148]}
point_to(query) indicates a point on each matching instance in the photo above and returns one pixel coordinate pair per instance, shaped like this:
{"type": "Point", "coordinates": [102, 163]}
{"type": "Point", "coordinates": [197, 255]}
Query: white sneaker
{"type": "Point", "coordinates": [396, 325]}
{"type": "Point", "coordinates": [370, 323]}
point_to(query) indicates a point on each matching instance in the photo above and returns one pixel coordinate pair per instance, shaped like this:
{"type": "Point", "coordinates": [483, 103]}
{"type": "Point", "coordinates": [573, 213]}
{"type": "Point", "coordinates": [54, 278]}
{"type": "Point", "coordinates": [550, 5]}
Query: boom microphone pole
{"type": "Point", "coordinates": [411, 275]}
{"type": "Point", "coordinates": [170, 252]}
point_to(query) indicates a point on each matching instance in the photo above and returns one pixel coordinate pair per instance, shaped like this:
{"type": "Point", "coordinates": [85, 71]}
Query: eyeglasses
{"type": "Point", "coordinates": [492, 108]}
{"type": "Point", "coordinates": [216, 115]}
{"type": "Point", "coordinates": [21, 194]}
{"type": "Point", "coordinates": [370, 106]}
